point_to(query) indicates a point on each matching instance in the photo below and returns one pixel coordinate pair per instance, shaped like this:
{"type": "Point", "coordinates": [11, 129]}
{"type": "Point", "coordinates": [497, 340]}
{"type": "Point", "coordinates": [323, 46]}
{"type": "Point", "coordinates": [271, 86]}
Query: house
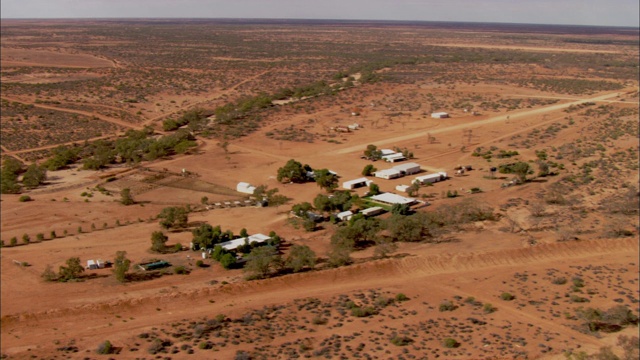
{"type": "Point", "coordinates": [245, 188]}
{"type": "Point", "coordinates": [388, 174]}
{"type": "Point", "coordinates": [392, 199]}
{"type": "Point", "coordinates": [408, 168]}
{"type": "Point", "coordinates": [356, 183]}
{"type": "Point", "coordinates": [372, 211]}
{"type": "Point", "coordinates": [236, 243]}
{"type": "Point", "coordinates": [345, 215]}
{"type": "Point", "coordinates": [393, 157]}
{"type": "Point", "coordinates": [439, 115]}
{"type": "Point", "coordinates": [431, 178]}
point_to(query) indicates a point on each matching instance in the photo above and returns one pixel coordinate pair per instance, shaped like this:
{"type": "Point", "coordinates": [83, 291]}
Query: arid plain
{"type": "Point", "coordinates": [563, 245]}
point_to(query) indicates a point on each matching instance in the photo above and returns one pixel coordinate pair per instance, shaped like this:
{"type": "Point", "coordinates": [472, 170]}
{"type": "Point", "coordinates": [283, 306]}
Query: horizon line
{"type": "Point", "coordinates": [318, 19]}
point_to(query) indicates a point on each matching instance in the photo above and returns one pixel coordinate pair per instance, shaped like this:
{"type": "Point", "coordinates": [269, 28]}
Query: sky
{"type": "Point", "coordinates": [568, 12]}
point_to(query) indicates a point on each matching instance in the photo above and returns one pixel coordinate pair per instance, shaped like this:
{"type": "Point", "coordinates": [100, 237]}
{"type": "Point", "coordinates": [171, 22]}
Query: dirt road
{"type": "Point", "coordinates": [492, 120]}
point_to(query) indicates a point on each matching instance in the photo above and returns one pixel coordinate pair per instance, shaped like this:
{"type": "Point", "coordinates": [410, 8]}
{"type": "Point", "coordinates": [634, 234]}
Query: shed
{"type": "Point", "coordinates": [356, 183]}
{"type": "Point", "coordinates": [439, 115]}
{"type": "Point", "coordinates": [402, 188]}
{"type": "Point", "coordinates": [245, 188]}
{"type": "Point", "coordinates": [235, 243]}
{"type": "Point", "coordinates": [345, 215]}
{"type": "Point", "coordinates": [392, 199]}
{"type": "Point", "coordinates": [372, 211]}
{"type": "Point", "coordinates": [388, 174]}
{"type": "Point", "coordinates": [91, 265]}
{"type": "Point", "coordinates": [431, 178]}
{"type": "Point", "coordinates": [408, 168]}
{"type": "Point", "coordinates": [385, 152]}
{"type": "Point", "coordinates": [394, 157]}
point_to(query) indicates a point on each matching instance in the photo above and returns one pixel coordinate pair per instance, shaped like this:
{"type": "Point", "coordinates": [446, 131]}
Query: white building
{"type": "Point", "coordinates": [402, 188]}
{"type": "Point", "coordinates": [431, 178]}
{"type": "Point", "coordinates": [385, 152]}
{"type": "Point", "coordinates": [388, 174]}
{"type": "Point", "coordinates": [236, 243]}
{"type": "Point", "coordinates": [392, 199]}
{"type": "Point", "coordinates": [356, 183]}
{"type": "Point", "coordinates": [345, 215]}
{"type": "Point", "coordinates": [439, 115]}
{"type": "Point", "coordinates": [372, 211]}
{"type": "Point", "coordinates": [393, 157]}
{"type": "Point", "coordinates": [245, 188]}
{"type": "Point", "coordinates": [408, 168]}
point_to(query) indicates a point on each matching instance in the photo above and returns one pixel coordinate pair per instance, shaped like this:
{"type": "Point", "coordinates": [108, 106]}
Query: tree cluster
{"type": "Point", "coordinates": [294, 171]}
{"type": "Point", "coordinates": [174, 217]}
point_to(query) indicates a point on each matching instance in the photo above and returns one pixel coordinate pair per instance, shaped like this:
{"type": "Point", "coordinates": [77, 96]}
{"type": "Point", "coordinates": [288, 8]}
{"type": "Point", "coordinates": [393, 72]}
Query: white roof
{"type": "Point", "coordinates": [235, 243]}
{"type": "Point", "coordinates": [371, 210]}
{"type": "Point", "coordinates": [385, 152]}
{"type": "Point", "coordinates": [246, 188]}
{"type": "Point", "coordinates": [432, 176]}
{"type": "Point", "coordinates": [347, 184]}
{"type": "Point", "coordinates": [402, 188]}
{"type": "Point", "coordinates": [381, 173]}
{"type": "Point", "coordinates": [393, 156]}
{"type": "Point", "coordinates": [439, 113]}
{"type": "Point", "coordinates": [406, 166]}
{"type": "Point", "coordinates": [344, 214]}
{"type": "Point", "coordinates": [390, 198]}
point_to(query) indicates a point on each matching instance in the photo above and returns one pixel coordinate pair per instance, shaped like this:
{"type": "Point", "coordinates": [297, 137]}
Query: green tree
{"type": "Point", "coordinates": [384, 247]}
{"type": "Point", "coordinates": [299, 257]}
{"type": "Point", "coordinates": [293, 171]}
{"type": "Point", "coordinates": [173, 217]}
{"type": "Point", "coordinates": [408, 228]}
{"type": "Point", "coordinates": [158, 241]}
{"type": "Point", "coordinates": [301, 209]}
{"type": "Point", "coordinates": [121, 266]}
{"type": "Point", "coordinates": [9, 176]}
{"type": "Point", "coordinates": [262, 260]}
{"type": "Point", "coordinates": [34, 176]}
{"type": "Point", "coordinates": [374, 189]}
{"type": "Point", "coordinates": [228, 261]}
{"type": "Point", "coordinates": [322, 203]}
{"type": "Point", "coordinates": [369, 170]}
{"type": "Point", "coordinates": [125, 197]}
{"type": "Point", "coordinates": [326, 180]}
{"type": "Point", "coordinates": [372, 152]}
{"type": "Point", "coordinates": [400, 209]}
{"type": "Point", "coordinates": [48, 274]}
{"type": "Point", "coordinates": [72, 271]}
{"type": "Point", "coordinates": [521, 169]}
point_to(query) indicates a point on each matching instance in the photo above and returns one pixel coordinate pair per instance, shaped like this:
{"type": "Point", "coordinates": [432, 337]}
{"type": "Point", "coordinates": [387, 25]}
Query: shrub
{"type": "Point", "coordinates": [105, 348]}
{"type": "Point", "coordinates": [363, 312]}
{"type": "Point", "coordinates": [559, 280]}
{"type": "Point", "coordinates": [488, 308]}
{"type": "Point", "coordinates": [507, 296]}
{"type": "Point", "coordinates": [181, 270]}
{"type": "Point", "coordinates": [401, 340]}
{"type": "Point", "coordinates": [401, 297]}
{"type": "Point", "coordinates": [26, 238]}
{"type": "Point", "coordinates": [450, 343]}
{"type": "Point", "coordinates": [40, 236]}
{"type": "Point", "coordinates": [447, 306]}
{"type": "Point", "coordinates": [24, 198]}
{"type": "Point", "coordinates": [318, 320]}
{"type": "Point", "coordinates": [48, 274]}
{"type": "Point", "coordinates": [13, 241]}
{"type": "Point", "coordinates": [199, 263]}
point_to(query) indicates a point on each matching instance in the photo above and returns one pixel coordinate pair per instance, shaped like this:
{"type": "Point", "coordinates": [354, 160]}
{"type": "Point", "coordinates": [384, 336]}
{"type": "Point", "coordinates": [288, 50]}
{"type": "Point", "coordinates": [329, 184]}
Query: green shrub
{"type": "Point", "coordinates": [318, 320]}
{"type": "Point", "coordinates": [488, 308]}
{"type": "Point", "coordinates": [401, 340]}
{"type": "Point", "coordinates": [363, 312]}
{"type": "Point", "coordinates": [507, 296]}
{"type": "Point", "coordinates": [181, 270]}
{"type": "Point", "coordinates": [199, 263]}
{"type": "Point", "coordinates": [450, 343]}
{"type": "Point", "coordinates": [559, 280]}
{"type": "Point", "coordinates": [24, 198]}
{"type": "Point", "coordinates": [105, 348]}
{"type": "Point", "coordinates": [401, 297]}
{"type": "Point", "coordinates": [447, 306]}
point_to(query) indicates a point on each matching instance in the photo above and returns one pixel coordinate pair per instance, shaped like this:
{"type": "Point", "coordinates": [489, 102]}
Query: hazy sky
{"type": "Point", "coordinates": [578, 12]}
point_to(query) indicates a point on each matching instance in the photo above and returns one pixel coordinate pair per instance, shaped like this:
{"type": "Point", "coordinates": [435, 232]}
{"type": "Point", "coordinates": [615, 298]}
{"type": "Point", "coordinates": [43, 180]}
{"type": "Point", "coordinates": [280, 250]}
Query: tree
{"type": "Point", "coordinates": [521, 169]}
{"type": "Point", "coordinates": [227, 261]}
{"type": "Point", "coordinates": [125, 197]}
{"type": "Point", "coordinates": [34, 176]}
{"type": "Point", "coordinates": [400, 209]}
{"type": "Point", "coordinates": [322, 203]}
{"type": "Point", "coordinates": [299, 257]}
{"type": "Point", "coordinates": [158, 241]}
{"type": "Point", "coordinates": [121, 266]}
{"type": "Point", "coordinates": [374, 189]}
{"type": "Point", "coordinates": [369, 170]}
{"type": "Point", "coordinates": [48, 274]}
{"type": "Point", "coordinates": [9, 176]}
{"type": "Point", "coordinates": [204, 200]}
{"type": "Point", "coordinates": [301, 209]}
{"type": "Point", "coordinates": [372, 152]}
{"type": "Point", "coordinates": [326, 180]}
{"type": "Point", "coordinates": [293, 171]}
{"type": "Point", "coordinates": [408, 228]}
{"type": "Point", "coordinates": [173, 217]}
{"type": "Point", "coordinates": [339, 255]}
{"type": "Point", "coordinates": [413, 189]}
{"type": "Point", "coordinates": [384, 247]}
{"type": "Point", "coordinates": [262, 260]}
{"type": "Point", "coordinates": [543, 168]}
{"type": "Point", "coordinates": [72, 271]}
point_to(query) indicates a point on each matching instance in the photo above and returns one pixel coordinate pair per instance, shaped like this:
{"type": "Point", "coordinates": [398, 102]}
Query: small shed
{"type": "Point", "coordinates": [91, 265]}
{"type": "Point", "coordinates": [372, 211]}
{"type": "Point", "coordinates": [245, 188]}
{"type": "Point", "coordinates": [345, 215]}
{"type": "Point", "coordinates": [356, 183]}
{"type": "Point", "coordinates": [431, 178]}
{"type": "Point", "coordinates": [388, 174]}
{"type": "Point", "coordinates": [439, 115]}
{"type": "Point", "coordinates": [402, 188]}
{"type": "Point", "coordinates": [394, 157]}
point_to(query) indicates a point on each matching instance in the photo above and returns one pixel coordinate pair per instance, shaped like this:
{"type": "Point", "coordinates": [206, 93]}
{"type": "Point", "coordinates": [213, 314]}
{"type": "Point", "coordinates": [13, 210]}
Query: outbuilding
{"type": "Point", "coordinates": [439, 115]}
{"type": "Point", "coordinates": [395, 157]}
{"type": "Point", "coordinates": [431, 178]}
{"type": "Point", "coordinates": [245, 188]}
{"type": "Point", "coordinates": [392, 199]}
{"type": "Point", "coordinates": [402, 188]}
{"type": "Point", "coordinates": [408, 168]}
{"type": "Point", "coordinates": [388, 174]}
{"type": "Point", "coordinates": [345, 215]}
{"type": "Point", "coordinates": [356, 183]}
{"type": "Point", "coordinates": [372, 211]}
{"type": "Point", "coordinates": [236, 243]}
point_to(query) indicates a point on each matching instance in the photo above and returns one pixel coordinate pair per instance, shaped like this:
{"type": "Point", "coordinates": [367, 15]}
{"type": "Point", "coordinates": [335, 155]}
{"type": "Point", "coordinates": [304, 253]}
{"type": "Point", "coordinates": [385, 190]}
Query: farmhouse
{"type": "Point", "coordinates": [356, 183]}
{"type": "Point", "coordinates": [372, 211]}
{"type": "Point", "coordinates": [392, 199]}
{"type": "Point", "coordinates": [408, 168]}
{"type": "Point", "coordinates": [393, 157]}
{"type": "Point", "coordinates": [235, 243]}
{"type": "Point", "coordinates": [439, 115]}
{"type": "Point", "coordinates": [431, 178]}
{"type": "Point", "coordinates": [388, 174]}
{"type": "Point", "coordinates": [245, 188]}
